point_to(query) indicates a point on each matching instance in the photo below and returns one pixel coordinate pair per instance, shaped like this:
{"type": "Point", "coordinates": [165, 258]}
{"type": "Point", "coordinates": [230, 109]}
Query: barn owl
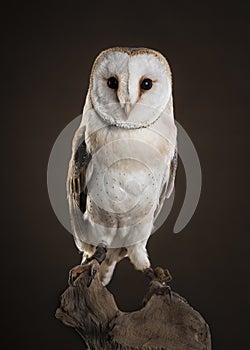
{"type": "Point", "coordinates": [124, 159]}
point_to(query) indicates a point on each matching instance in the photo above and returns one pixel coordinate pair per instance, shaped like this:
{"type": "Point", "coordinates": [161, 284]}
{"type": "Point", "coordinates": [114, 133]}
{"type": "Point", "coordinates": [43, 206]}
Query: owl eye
{"type": "Point", "coordinates": [112, 83]}
{"type": "Point", "coordinates": [146, 84]}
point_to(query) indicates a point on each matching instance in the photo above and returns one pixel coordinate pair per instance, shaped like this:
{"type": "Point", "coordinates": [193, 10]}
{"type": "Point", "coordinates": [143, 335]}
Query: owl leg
{"type": "Point", "coordinates": [94, 261]}
{"type": "Point", "coordinates": [158, 277]}
{"type": "Point", "coordinates": [107, 268]}
{"type": "Point", "coordinates": [138, 256]}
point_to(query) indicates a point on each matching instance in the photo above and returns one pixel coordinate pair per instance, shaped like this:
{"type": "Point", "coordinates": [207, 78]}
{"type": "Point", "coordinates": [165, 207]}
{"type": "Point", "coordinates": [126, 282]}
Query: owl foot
{"type": "Point", "coordinates": [159, 278]}
{"type": "Point", "coordinates": [94, 261]}
{"type": "Point", "coordinates": [149, 273]}
{"type": "Point", "coordinates": [94, 267]}
{"type": "Point", "coordinates": [79, 269]}
{"type": "Point", "coordinates": [74, 273]}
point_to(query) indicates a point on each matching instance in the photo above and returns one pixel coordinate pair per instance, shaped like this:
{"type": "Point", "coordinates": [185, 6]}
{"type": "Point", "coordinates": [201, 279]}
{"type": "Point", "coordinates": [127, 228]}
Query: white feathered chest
{"type": "Point", "coordinates": [124, 179]}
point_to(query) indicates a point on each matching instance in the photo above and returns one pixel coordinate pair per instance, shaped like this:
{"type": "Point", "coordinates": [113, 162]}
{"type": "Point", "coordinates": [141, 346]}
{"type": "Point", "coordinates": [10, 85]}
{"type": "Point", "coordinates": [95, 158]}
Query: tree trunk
{"type": "Point", "coordinates": [164, 323]}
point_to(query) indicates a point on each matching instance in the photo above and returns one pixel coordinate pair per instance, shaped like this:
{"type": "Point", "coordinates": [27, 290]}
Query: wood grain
{"type": "Point", "coordinates": [161, 324]}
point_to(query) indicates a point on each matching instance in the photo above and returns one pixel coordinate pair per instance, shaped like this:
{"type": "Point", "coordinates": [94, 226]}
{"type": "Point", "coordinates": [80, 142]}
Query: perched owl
{"type": "Point", "coordinates": [124, 159]}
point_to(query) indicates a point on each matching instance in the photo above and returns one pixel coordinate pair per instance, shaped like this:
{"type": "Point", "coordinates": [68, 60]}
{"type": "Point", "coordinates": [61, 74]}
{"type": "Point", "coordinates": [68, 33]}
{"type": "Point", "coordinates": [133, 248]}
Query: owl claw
{"type": "Point", "coordinates": [94, 267]}
{"type": "Point", "coordinates": [78, 270]}
{"type": "Point", "coordinates": [162, 275]}
{"type": "Point", "coordinates": [149, 273]}
{"type": "Point", "coordinates": [159, 274]}
{"type": "Point", "coordinates": [94, 261]}
{"type": "Point", "coordinates": [169, 291]}
{"type": "Point", "coordinates": [158, 285]}
{"type": "Point", "coordinates": [74, 273]}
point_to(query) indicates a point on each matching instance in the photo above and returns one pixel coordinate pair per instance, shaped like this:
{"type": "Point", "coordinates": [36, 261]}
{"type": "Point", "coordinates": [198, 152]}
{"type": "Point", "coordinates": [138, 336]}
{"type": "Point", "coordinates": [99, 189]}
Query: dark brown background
{"type": "Point", "coordinates": [47, 54]}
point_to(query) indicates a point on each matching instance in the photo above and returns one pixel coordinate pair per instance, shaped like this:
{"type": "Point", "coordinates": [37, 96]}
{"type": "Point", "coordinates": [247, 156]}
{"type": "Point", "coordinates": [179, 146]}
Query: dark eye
{"type": "Point", "coordinates": [146, 84]}
{"type": "Point", "coordinates": [112, 83]}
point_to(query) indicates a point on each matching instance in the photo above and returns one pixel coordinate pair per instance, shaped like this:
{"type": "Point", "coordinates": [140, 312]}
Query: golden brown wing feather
{"type": "Point", "coordinates": [77, 175]}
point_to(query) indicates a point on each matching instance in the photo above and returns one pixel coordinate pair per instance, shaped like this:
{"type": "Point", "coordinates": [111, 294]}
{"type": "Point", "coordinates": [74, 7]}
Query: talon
{"type": "Point", "coordinates": [163, 275]}
{"type": "Point", "coordinates": [74, 274]}
{"type": "Point", "coordinates": [93, 270]}
{"type": "Point", "coordinates": [160, 273]}
{"type": "Point", "coordinates": [70, 279]}
{"type": "Point", "coordinates": [159, 283]}
{"type": "Point", "coordinates": [95, 260]}
{"type": "Point", "coordinates": [149, 273]}
{"type": "Point", "coordinates": [169, 294]}
{"type": "Point", "coordinates": [168, 276]}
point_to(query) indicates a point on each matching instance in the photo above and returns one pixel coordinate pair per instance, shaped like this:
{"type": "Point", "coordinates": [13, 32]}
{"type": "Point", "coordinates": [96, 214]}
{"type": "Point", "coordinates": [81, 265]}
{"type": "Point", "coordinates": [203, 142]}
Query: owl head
{"type": "Point", "coordinates": [130, 87]}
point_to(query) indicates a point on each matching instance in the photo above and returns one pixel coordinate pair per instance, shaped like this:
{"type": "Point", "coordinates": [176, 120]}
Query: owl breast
{"type": "Point", "coordinates": [125, 176]}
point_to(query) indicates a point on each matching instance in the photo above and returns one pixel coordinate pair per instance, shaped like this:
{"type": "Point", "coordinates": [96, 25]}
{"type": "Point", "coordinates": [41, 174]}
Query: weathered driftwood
{"type": "Point", "coordinates": [161, 324]}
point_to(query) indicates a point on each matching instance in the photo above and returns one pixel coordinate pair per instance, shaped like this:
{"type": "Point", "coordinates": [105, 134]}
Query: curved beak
{"type": "Point", "coordinates": [127, 108]}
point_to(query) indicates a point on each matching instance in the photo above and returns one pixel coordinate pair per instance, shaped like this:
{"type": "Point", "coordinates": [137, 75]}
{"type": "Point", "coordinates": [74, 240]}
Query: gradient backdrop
{"type": "Point", "coordinates": [47, 53]}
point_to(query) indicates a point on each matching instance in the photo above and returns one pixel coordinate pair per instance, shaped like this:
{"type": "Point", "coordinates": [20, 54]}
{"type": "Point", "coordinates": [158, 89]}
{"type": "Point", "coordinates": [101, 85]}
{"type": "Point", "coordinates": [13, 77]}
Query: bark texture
{"type": "Point", "coordinates": [161, 324]}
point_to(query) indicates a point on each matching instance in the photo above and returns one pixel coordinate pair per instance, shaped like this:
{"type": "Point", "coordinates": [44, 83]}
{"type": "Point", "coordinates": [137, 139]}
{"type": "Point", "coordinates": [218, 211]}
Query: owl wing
{"type": "Point", "coordinates": [76, 181]}
{"type": "Point", "coordinates": [167, 186]}
{"type": "Point", "coordinates": [173, 167]}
